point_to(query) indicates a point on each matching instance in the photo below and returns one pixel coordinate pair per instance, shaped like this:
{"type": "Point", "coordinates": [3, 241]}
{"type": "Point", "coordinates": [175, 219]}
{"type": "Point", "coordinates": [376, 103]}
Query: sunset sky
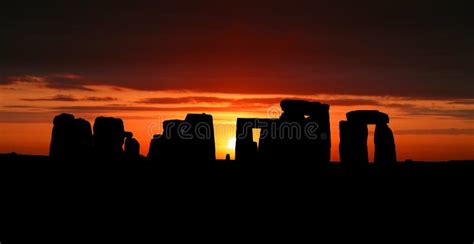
{"type": "Point", "coordinates": [148, 61]}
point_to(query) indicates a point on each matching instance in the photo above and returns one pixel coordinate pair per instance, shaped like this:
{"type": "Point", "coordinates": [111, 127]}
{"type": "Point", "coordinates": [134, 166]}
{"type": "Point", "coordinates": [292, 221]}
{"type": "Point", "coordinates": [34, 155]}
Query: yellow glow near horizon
{"type": "Point", "coordinates": [25, 125]}
{"type": "Point", "coordinates": [231, 143]}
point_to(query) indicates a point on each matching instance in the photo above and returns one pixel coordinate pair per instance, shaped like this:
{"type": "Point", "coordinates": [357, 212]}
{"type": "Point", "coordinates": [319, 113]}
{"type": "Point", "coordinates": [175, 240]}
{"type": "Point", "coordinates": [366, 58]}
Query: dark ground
{"type": "Point", "coordinates": [41, 200]}
{"type": "Point", "coordinates": [464, 169]}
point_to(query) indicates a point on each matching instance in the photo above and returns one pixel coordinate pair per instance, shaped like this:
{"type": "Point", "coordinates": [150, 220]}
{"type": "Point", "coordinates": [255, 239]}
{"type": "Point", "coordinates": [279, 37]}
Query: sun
{"type": "Point", "coordinates": [231, 143]}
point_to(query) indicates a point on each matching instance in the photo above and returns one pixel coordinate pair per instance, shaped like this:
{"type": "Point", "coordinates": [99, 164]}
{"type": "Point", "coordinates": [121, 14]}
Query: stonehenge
{"type": "Point", "coordinates": [109, 136]}
{"type": "Point", "coordinates": [155, 149]}
{"type": "Point", "coordinates": [191, 139]}
{"type": "Point", "coordinates": [73, 139]}
{"type": "Point", "coordinates": [132, 147]}
{"type": "Point", "coordinates": [313, 118]}
{"type": "Point", "coordinates": [245, 146]}
{"type": "Point", "coordinates": [385, 152]}
{"type": "Point", "coordinates": [354, 135]}
{"type": "Point", "coordinates": [302, 133]}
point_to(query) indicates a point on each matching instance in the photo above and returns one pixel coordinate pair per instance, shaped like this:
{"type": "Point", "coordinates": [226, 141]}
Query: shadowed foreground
{"type": "Point", "coordinates": [95, 175]}
{"type": "Point", "coordinates": [182, 196]}
{"type": "Point", "coordinates": [39, 165]}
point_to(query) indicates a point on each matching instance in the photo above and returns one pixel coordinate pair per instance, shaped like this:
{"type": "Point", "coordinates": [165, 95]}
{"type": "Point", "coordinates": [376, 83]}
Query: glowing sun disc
{"type": "Point", "coordinates": [231, 143]}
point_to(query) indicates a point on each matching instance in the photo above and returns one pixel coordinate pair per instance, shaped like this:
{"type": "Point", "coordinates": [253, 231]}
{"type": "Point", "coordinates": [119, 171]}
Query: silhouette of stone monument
{"type": "Point", "coordinates": [71, 138]}
{"type": "Point", "coordinates": [155, 149]}
{"type": "Point", "coordinates": [313, 117]}
{"type": "Point", "coordinates": [109, 135]}
{"type": "Point", "coordinates": [191, 139]}
{"type": "Point", "coordinates": [353, 149]}
{"type": "Point", "coordinates": [385, 150]}
{"type": "Point", "coordinates": [245, 146]}
{"type": "Point", "coordinates": [301, 134]}
{"type": "Point", "coordinates": [132, 147]}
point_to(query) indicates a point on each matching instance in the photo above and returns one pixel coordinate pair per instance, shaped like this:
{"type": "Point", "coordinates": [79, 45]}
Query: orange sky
{"type": "Point", "coordinates": [424, 129]}
{"type": "Point", "coordinates": [147, 62]}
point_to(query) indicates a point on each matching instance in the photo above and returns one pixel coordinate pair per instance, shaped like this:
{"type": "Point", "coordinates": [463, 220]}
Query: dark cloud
{"type": "Point", "coordinates": [26, 117]}
{"type": "Point", "coordinates": [463, 102]}
{"type": "Point", "coordinates": [104, 109]}
{"type": "Point", "coordinates": [58, 98]}
{"type": "Point", "coordinates": [332, 102]}
{"type": "Point", "coordinates": [245, 101]}
{"type": "Point", "coordinates": [67, 81]}
{"type": "Point", "coordinates": [68, 98]}
{"type": "Point", "coordinates": [450, 131]}
{"type": "Point", "coordinates": [128, 108]}
{"type": "Point", "coordinates": [184, 100]}
{"type": "Point", "coordinates": [203, 99]}
{"type": "Point", "coordinates": [7, 80]}
{"type": "Point", "coordinates": [100, 99]}
{"type": "Point", "coordinates": [227, 105]}
{"type": "Point", "coordinates": [267, 101]}
{"type": "Point", "coordinates": [398, 48]}
{"type": "Point", "coordinates": [18, 106]}
{"type": "Point", "coordinates": [411, 110]}
{"type": "Point", "coordinates": [352, 102]}
{"type": "Point", "coordinates": [55, 81]}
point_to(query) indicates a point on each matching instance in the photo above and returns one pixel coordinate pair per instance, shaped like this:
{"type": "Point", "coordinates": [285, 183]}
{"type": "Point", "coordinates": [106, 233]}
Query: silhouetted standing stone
{"type": "Point", "coordinates": [319, 114]}
{"type": "Point", "coordinates": [245, 147]}
{"type": "Point", "coordinates": [71, 138]}
{"type": "Point", "coordinates": [191, 139]}
{"type": "Point", "coordinates": [301, 134]}
{"type": "Point", "coordinates": [132, 147]}
{"type": "Point", "coordinates": [359, 136]}
{"type": "Point", "coordinates": [385, 152]}
{"type": "Point", "coordinates": [109, 137]}
{"type": "Point", "coordinates": [345, 145]}
{"type": "Point", "coordinates": [61, 145]}
{"type": "Point", "coordinates": [353, 139]}
{"type": "Point", "coordinates": [270, 146]}
{"type": "Point", "coordinates": [353, 149]}
{"type": "Point", "coordinates": [155, 148]}
{"type": "Point", "coordinates": [171, 142]}
{"type": "Point", "coordinates": [83, 141]}
{"type": "Point", "coordinates": [202, 145]}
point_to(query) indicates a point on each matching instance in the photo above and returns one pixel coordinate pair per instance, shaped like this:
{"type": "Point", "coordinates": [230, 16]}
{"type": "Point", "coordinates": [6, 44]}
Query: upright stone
{"type": "Point", "coordinates": [319, 116]}
{"type": "Point", "coordinates": [353, 149]}
{"type": "Point", "coordinates": [201, 144]}
{"type": "Point", "coordinates": [109, 138]}
{"type": "Point", "coordinates": [245, 147]}
{"type": "Point", "coordinates": [301, 134]}
{"type": "Point", "coordinates": [83, 139]}
{"type": "Point", "coordinates": [186, 140]}
{"type": "Point", "coordinates": [71, 138]}
{"type": "Point", "coordinates": [61, 146]}
{"type": "Point", "coordinates": [385, 152]}
{"type": "Point", "coordinates": [353, 146]}
{"type": "Point", "coordinates": [155, 148]}
{"type": "Point", "coordinates": [132, 149]}
{"type": "Point", "coordinates": [314, 144]}
{"type": "Point", "coordinates": [345, 154]}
